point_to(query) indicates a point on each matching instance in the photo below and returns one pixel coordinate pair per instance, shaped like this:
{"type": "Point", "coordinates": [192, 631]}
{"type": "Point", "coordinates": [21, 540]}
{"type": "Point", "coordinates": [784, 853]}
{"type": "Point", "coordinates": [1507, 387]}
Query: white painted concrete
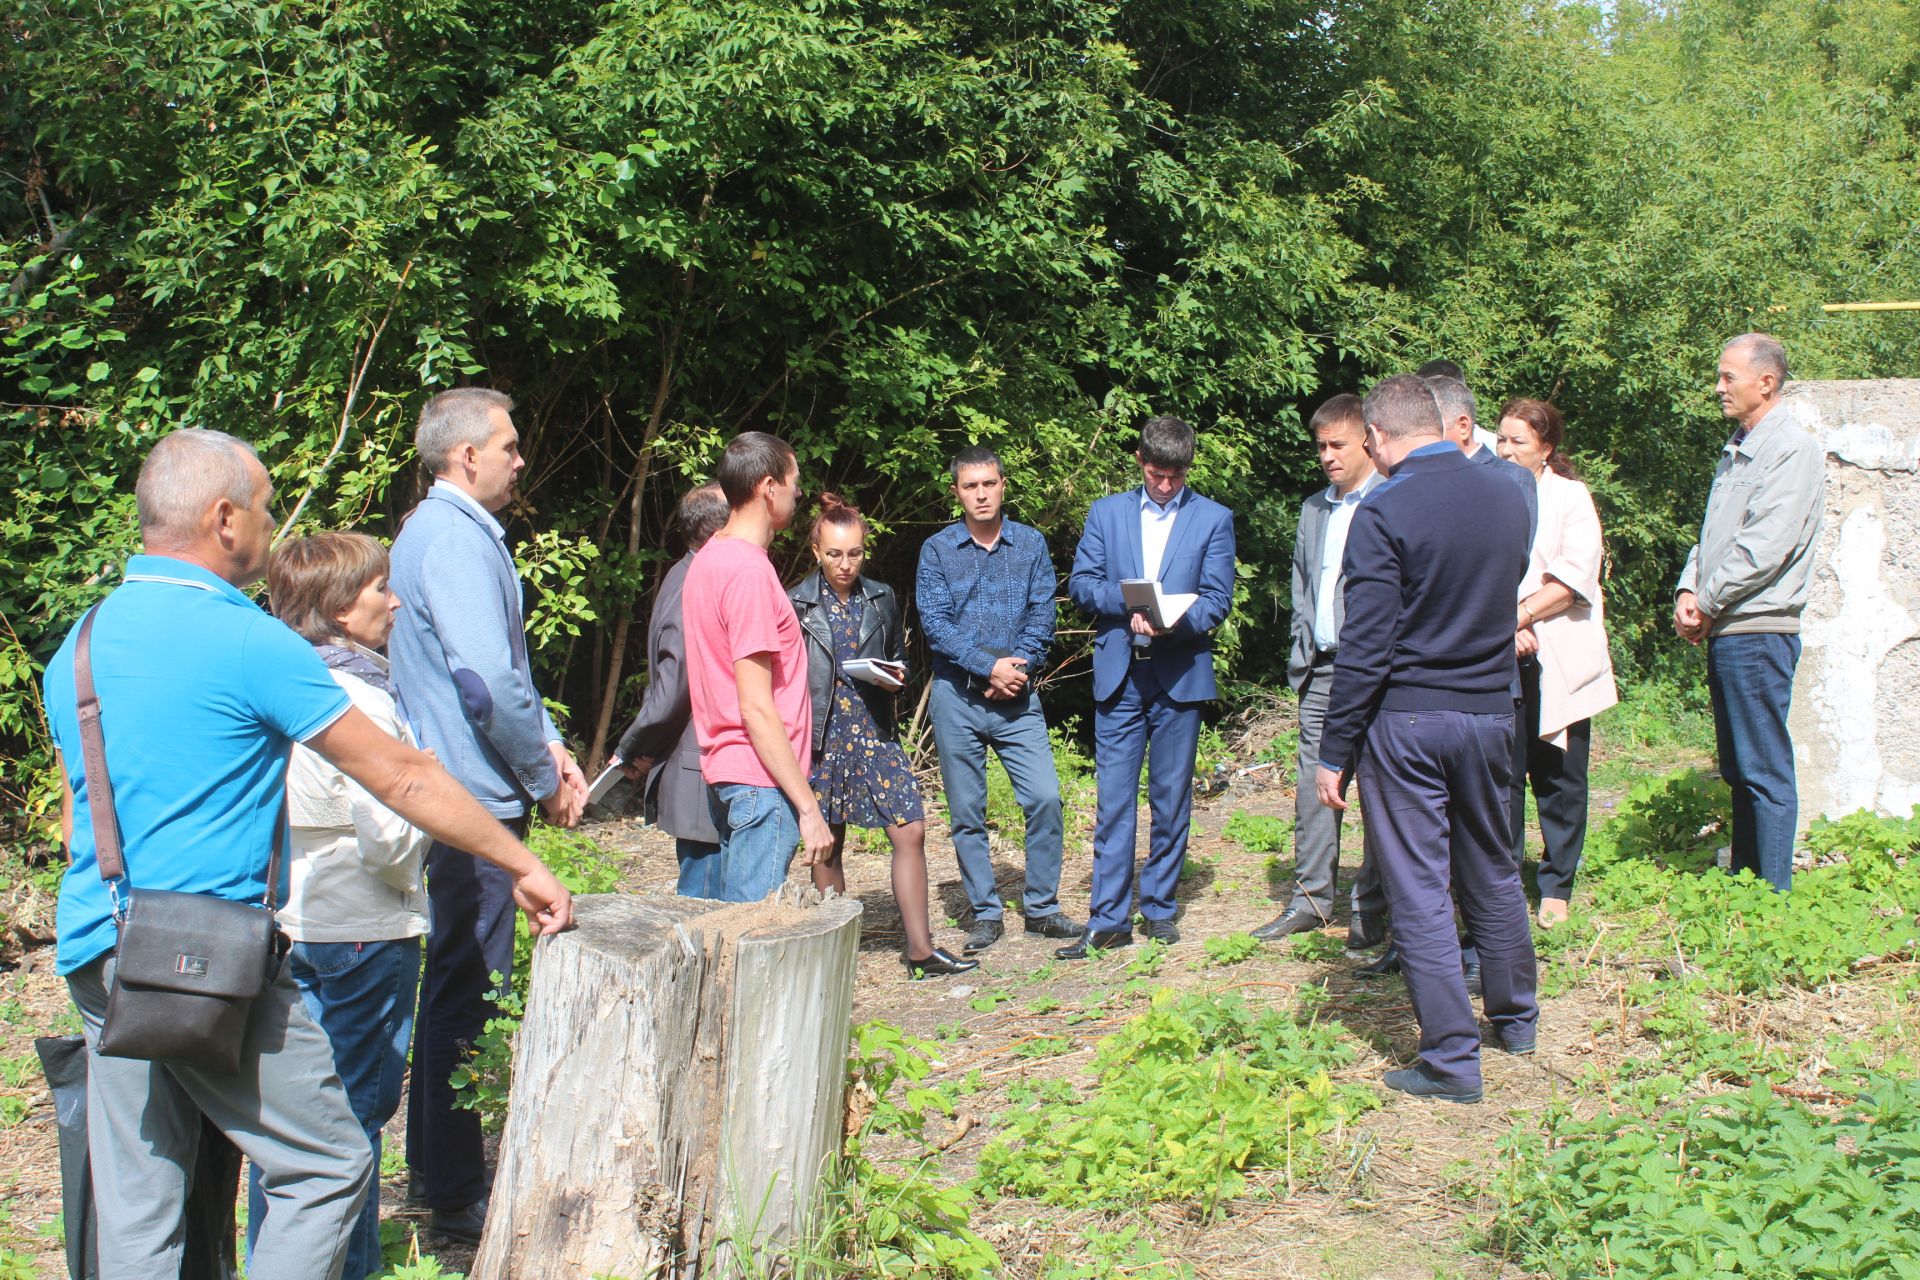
{"type": "Point", "coordinates": [1856, 696]}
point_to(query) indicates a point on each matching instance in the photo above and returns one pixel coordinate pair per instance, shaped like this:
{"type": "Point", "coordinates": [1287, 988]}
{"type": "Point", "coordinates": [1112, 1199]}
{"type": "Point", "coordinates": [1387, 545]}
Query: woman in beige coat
{"type": "Point", "coordinates": [1561, 637]}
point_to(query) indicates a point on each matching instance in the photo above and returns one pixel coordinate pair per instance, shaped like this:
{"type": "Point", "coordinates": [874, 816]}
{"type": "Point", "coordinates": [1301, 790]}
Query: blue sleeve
{"type": "Point", "coordinates": [1036, 629]}
{"type": "Point", "coordinates": [1216, 582]}
{"type": "Point", "coordinates": [1088, 584]}
{"type": "Point", "coordinates": [286, 684]}
{"type": "Point", "coordinates": [471, 620]}
{"type": "Point", "coordinates": [1371, 573]}
{"type": "Point", "coordinates": [938, 622]}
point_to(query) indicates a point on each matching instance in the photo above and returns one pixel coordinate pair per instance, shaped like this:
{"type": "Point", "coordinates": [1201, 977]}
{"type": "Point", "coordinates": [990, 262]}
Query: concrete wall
{"type": "Point", "coordinates": [1856, 696]}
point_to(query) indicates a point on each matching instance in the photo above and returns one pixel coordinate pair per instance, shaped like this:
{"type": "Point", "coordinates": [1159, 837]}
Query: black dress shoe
{"type": "Point", "coordinates": [1365, 931]}
{"type": "Point", "coordinates": [1162, 931]}
{"type": "Point", "coordinates": [1420, 1083]}
{"type": "Point", "coordinates": [942, 963]}
{"type": "Point", "coordinates": [1520, 1046]}
{"type": "Point", "coordinates": [983, 935]}
{"type": "Point", "coordinates": [1470, 970]}
{"type": "Point", "coordinates": [464, 1225]}
{"type": "Point", "coordinates": [1292, 920]}
{"type": "Point", "coordinates": [1054, 926]}
{"type": "Point", "coordinates": [1095, 940]}
{"type": "Point", "coordinates": [1385, 965]}
{"type": "Point", "coordinates": [416, 1189]}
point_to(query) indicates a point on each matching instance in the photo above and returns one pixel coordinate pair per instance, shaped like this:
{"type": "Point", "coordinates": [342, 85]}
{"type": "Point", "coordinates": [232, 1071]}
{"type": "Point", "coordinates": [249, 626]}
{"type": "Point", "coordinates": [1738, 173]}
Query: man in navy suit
{"type": "Point", "coordinates": [1422, 688]}
{"type": "Point", "coordinates": [1148, 681]}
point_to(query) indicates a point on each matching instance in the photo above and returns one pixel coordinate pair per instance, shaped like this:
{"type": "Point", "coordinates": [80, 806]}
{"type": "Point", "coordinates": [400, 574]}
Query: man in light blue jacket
{"type": "Point", "coordinates": [460, 667]}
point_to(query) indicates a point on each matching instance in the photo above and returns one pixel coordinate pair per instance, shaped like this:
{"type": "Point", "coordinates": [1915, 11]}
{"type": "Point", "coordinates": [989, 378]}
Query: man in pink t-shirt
{"type": "Point", "coordinates": [747, 677]}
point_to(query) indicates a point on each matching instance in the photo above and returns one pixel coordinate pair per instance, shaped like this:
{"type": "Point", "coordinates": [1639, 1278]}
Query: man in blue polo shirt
{"type": "Point", "coordinates": [202, 695]}
{"type": "Point", "coordinates": [985, 592]}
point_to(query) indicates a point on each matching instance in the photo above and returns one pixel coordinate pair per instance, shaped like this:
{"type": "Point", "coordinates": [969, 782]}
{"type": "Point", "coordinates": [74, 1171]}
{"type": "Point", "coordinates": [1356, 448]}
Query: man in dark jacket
{"type": "Point", "coordinates": [1423, 687]}
{"type": "Point", "coordinates": [659, 747]}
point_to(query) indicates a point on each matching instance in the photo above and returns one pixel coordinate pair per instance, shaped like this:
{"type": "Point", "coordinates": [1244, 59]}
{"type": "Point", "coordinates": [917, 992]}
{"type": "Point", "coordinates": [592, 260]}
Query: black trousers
{"type": "Point", "coordinates": [472, 939]}
{"type": "Point", "coordinates": [1559, 781]}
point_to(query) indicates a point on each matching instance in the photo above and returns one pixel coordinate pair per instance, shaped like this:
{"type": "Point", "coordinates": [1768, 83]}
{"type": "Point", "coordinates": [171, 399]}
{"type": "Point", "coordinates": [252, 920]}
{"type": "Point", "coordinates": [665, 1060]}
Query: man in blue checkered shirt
{"type": "Point", "coordinates": [985, 592]}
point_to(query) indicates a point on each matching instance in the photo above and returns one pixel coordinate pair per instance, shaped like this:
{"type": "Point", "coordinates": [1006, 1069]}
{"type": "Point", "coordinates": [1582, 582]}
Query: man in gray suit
{"type": "Point", "coordinates": [1340, 434]}
{"type": "Point", "coordinates": [659, 748]}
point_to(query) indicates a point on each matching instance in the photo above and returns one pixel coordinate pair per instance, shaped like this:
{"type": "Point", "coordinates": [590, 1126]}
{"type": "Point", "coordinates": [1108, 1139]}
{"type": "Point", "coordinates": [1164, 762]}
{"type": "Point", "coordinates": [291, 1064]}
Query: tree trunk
{"type": "Point", "coordinates": [677, 1087]}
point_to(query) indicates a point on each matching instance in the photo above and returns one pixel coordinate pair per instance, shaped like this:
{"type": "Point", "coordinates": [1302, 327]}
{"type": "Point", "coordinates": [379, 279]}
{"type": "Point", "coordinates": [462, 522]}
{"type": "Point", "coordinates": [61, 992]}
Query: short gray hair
{"type": "Point", "coordinates": [1764, 352]}
{"type": "Point", "coordinates": [1455, 398]}
{"type": "Point", "coordinates": [185, 473]}
{"type": "Point", "coordinates": [1404, 406]}
{"type": "Point", "coordinates": [463, 415]}
{"type": "Point", "coordinates": [701, 513]}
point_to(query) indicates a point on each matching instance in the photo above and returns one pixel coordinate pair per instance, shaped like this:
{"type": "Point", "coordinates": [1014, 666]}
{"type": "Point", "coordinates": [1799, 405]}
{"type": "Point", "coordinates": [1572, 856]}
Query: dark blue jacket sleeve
{"type": "Point", "coordinates": [1089, 584]}
{"type": "Point", "coordinates": [1373, 595]}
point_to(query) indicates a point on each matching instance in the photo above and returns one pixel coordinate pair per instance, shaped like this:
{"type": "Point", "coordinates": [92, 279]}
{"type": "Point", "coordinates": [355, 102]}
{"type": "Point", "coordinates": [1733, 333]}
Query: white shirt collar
{"type": "Point", "coordinates": [472, 504]}
{"type": "Point", "coordinates": [1360, 490]}
{"type": "Point", "coordinates": [1172, 504]}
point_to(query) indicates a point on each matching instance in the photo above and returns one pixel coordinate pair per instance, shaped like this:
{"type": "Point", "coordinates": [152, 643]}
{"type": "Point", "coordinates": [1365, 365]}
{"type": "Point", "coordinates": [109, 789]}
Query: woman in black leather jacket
{"type": "Point", "coordinates": [860, 774]}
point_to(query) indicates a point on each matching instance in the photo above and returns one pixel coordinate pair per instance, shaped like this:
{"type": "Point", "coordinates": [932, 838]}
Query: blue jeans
{"type": "Point", "coordinates": [965, 724]}
{"type": "Point", "coordinates": [1750, 678]}
{"type": "Point", "coordinates": [758, 833]}
{"type": "Point", "coordinates": [699, 868]}
{"type": "Point", "coordinates": [361, 994]}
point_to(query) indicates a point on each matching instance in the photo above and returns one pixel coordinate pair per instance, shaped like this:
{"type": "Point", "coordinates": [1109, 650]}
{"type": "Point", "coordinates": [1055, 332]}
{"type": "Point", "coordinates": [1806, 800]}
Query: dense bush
{"type": "Point", "coordinates": [884, 229]}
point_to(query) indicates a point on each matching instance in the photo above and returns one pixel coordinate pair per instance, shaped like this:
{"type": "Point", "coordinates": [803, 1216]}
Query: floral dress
{"type": "Point", "coordinates": [859, 777]}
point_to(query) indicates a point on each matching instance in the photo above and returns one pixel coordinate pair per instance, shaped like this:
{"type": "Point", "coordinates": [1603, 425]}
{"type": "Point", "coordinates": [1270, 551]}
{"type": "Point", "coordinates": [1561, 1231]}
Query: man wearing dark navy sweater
{"type": "Point", "coordinates": [1422, 689]}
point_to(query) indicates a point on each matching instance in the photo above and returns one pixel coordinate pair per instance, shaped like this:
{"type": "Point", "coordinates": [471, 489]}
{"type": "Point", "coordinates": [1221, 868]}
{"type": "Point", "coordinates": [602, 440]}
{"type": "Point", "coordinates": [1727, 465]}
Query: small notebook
{"type": "Point", "coordinates": [1162, 609]}
{"type": "Point", "coordinates": [888, 675]}
{"type": "Point", "coordinates": [604, 783]}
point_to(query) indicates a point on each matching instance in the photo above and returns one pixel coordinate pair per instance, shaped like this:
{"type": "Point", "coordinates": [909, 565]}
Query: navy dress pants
{"type": "Point", "coordinates": [1438, 784]}
{"type": "Point", "coordinates": [472, 939]}
{"type": "Point", "coordinates": [1141, 721]}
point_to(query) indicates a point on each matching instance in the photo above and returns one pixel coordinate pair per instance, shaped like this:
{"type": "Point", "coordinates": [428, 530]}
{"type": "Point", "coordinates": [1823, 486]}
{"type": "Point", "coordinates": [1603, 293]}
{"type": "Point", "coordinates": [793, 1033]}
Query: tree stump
{"type": "Point", "coordinates": [678, 1086]}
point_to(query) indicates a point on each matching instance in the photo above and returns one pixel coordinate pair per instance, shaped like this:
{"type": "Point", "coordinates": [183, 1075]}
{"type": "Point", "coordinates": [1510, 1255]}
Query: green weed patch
{"type": "Point", "coordinates": [1746, 1185]}
{"type": "Point", "coordinates": [1652, 872]}
{"type": "Point", "coordinates": [1187, 1098]}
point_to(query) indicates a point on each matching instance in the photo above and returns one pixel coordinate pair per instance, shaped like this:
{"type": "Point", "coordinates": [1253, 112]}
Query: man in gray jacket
{"type": "Point", "coordinates": [1340, 435]}
{"type": "Point", "coordinates": [660, 747]}
{"type": "Point", "coordinates": [460, 666]}
{"type": "Point", "coordinates": [1742, 591]}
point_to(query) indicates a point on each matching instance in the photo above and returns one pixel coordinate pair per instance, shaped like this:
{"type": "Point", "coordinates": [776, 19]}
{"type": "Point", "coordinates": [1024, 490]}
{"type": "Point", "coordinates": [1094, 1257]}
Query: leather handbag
{"type": "Point", "coordinates": [189, 965]}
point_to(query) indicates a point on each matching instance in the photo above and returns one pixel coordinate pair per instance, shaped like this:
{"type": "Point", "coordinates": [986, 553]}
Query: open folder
{"type": "Point", "coordinates": [1162, 608]}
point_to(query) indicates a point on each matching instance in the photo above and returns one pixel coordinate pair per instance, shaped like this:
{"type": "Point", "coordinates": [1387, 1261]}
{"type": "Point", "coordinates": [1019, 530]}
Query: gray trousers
{"type": "Point", "coordinates": [285, 1109]}
{"type": "Point", "coordinates": [1316, 828]}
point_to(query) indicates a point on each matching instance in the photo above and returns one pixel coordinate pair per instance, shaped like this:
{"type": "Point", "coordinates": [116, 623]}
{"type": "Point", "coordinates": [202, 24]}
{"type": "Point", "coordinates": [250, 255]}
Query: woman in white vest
{"type": "Point", "coordinates": [356, 909]}
{"type": "Point", "coordinates": [1561, 637]}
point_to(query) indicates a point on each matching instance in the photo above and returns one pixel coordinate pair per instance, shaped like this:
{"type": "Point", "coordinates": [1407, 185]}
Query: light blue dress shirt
{"type": "Point", "coordinates": [1326, 632]}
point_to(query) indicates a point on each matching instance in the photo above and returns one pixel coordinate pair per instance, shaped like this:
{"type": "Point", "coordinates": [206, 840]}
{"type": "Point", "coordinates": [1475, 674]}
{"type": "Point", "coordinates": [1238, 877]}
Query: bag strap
{"type": "Point", "coordinates": [93, 756]}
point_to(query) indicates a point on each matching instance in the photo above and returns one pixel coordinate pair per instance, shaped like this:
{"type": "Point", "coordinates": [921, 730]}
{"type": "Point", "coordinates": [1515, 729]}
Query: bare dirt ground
{"type": "Point", "coordinates": [1400, 1200]}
